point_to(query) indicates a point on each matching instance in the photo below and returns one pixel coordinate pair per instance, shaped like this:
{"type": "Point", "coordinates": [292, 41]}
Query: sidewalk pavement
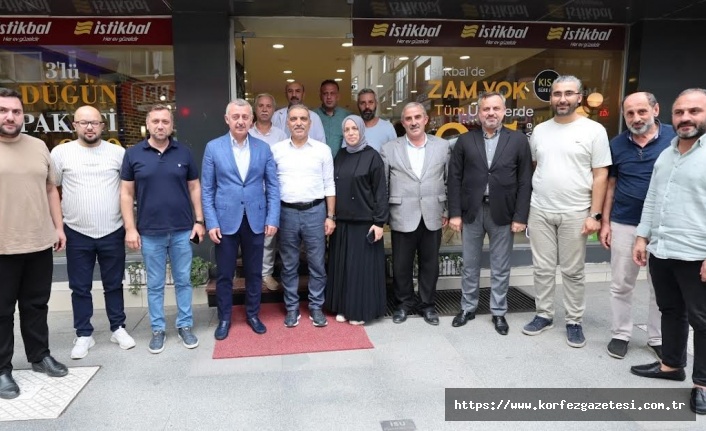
{"type": "Point", "coordinates": [403, 377]}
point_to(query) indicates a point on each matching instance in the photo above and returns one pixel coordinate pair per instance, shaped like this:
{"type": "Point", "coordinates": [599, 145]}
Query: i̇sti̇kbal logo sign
{"type": "Point", "coordinates": [73, 31]}
{"type": "Point", "coordinates": [367, 32]}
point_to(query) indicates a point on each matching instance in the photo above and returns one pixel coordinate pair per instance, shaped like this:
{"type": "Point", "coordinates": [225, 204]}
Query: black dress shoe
{"type": "Point", "coordinates": [431, 317]}
{"type": "Point", "coordinates": [51, 367]}
{"type": "Point", "coordinates": [501, 325]}
{"type": "Point", "coordinates": [222, 330]}
{"type": "Point", "coordinates": [399, 316]}
{"type": "Point", "coordinates": [257, 326]}
{"type": "Point", "coordinates": [462, 318]}
{"type": "Point", "coordinates": [654, 371]}
{"type": "Point", "coordinates": [10, 390]}
{"type": "Point", "coordinates": [698, 401]}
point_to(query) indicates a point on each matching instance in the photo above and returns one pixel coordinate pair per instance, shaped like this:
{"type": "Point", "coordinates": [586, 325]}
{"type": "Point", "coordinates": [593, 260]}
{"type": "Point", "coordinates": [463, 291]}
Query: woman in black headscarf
{"type": "Point", "coordinates": [355, 290]}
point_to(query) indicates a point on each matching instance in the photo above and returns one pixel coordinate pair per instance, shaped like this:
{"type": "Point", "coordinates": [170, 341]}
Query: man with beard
{"type": "Point", "coordinates": [264, 130]}
{"type": "Point", "coordinates": [294, 93]}
{"type": "Point", "coordinates": [377, 131]}
{"type": "Point", "coordinates": [307, 213]}
{"type": "Point", "coordinates": [572, 156]}
{"type": "Point", "coordinates": [633, 153]}
{"type": "Point", "coordinates": [489, 188]}
{"type": "Point", "coordinates": [331, 114]}
{"type": "Point", "coordinates": [162, 174]}
{"type": "Point", "coordinates": [416, 167]}
{"type": "Point", "coordinates": [31, 225]}
{"type": "Point", "coordinates": [88, 171]}
{"type": "Point", "coordinates": [672, 230]}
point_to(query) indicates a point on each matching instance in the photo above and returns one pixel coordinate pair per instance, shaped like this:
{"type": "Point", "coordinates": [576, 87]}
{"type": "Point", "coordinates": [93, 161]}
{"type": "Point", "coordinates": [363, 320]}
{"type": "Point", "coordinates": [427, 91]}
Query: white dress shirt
{"type": "Point", "coordinates": [241, 153]}
{"type": "Point", "coordinates": [305, 173]}
{"type": "Point", "coordinates": [416, 156]}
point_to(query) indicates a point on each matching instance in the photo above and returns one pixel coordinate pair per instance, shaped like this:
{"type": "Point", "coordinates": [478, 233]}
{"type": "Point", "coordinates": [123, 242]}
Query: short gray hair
{"type": "Point", "coordinates": [569, 78]}
{"type": "Point", "coordinates": [651, 99]}
{"type": "Point", "coordinates": [239, 102]}
{"type": "Point", "coordinates": [414, 105]}
{"type": "Point", "coordinates": [261, 95]}
{"type": "Point", "coordinates": [298, 106]}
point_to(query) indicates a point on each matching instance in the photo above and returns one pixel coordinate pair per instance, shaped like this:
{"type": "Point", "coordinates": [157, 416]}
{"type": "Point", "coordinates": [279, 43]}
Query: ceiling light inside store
{"type": "Point", "coordinates": [290, 80]}
{"type": "Point", "coordinates": [340, 70]}
{"type": "Point", "coordinates": [379, 86]}
{"type": "Point", "coordinates": [338, 79]}
{"type": "Point", "coordinates": [245, 80]}
{"type": "Point", "coordinates": [347, 44]}
{"type": "Point", "coordinates": [287, 71]}
{"type": "Point", "coordinates": [465, 57]}
{"type": "Point", "coordinates": [413, 91]}
{"type": "Point", "coordinates": [277, 46]}
{"type": "Point", "coordinates": [389, 109]}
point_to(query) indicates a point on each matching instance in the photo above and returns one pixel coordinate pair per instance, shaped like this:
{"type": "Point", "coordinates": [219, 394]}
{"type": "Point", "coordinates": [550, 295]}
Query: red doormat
{"type": "Point", "coordinates": [279, 340]}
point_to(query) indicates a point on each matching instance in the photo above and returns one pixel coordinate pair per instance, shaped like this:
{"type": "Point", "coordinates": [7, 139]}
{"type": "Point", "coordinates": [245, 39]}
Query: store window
{"type": "Point", "coordinates": [121, 66]}
{"type": "Point", "coordinates": [446, 65]}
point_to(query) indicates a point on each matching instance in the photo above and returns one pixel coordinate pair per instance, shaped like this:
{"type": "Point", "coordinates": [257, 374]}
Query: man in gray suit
{"type": "Point", "coordinates": [415, 167]}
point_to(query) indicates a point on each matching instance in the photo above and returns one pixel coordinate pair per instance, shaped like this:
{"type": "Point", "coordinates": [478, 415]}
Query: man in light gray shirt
{"type": "Point", "coordinates": [294, 92]}
{"type": "Point", "coordinates": [264, 130]}
{"type": "Point", "coordinates": [88, 171]}
{"type": "Point", "coordinates": [377, 131]}
{"type": "Point", "coordinates": [673, 230]}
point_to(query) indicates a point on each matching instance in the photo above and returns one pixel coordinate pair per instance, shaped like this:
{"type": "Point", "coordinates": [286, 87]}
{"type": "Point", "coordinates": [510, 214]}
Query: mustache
{"type": "Point", "coordinates": [686, 123]}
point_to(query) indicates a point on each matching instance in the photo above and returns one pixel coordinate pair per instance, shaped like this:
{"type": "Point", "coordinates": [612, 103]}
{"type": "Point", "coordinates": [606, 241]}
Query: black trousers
{"type": "Point", "coordinates": [25, 279]}
{"type": "Point", "coordinates": [423, 244]}
{"type": "Point", "coordinates": [681, 297]}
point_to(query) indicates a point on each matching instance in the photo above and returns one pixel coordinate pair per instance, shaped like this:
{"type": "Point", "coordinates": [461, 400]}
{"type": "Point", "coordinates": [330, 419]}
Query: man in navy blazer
{"type": "Point", "coordinates": [240, 193]}
{"type": "Point", "coordinates": [489, 186]}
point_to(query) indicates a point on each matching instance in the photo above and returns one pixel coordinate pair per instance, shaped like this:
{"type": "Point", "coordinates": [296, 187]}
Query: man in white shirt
{"type": "Point", "coordinates": [264, 130]}
{"type": "Point", "coordinates": [294, 93]}
{"type": "Point", "coordinates": [88, 171]}
{"type": "Point", "coordinates": [572, 156]}
{"type": "Point", "coordinates": [377, 131]}
{"type": "Point", "coordinates": [307, 213]}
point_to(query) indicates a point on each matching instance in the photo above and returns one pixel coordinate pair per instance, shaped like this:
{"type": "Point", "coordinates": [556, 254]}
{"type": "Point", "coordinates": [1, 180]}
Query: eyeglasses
{"type": "Point", "coordinates": [566, 94]}
{"type": "Point", "coordinates": [85, 124]}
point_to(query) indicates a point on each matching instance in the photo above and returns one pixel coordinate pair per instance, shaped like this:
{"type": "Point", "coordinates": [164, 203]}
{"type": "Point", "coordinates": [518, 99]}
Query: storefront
{"type": "Point", "coordinates": [123, 56]}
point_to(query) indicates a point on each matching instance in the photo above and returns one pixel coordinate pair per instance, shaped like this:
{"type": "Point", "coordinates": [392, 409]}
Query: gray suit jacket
{"type": "Point", "coordinates": [412, 198]}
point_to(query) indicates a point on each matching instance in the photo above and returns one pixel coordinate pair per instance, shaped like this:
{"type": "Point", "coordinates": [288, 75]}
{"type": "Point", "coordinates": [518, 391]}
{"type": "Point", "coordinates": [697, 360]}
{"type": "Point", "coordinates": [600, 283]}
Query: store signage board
{"type": "Point", "coordinates": [431, 33]}
{"type": "Point", "coordinates": [85, 31]}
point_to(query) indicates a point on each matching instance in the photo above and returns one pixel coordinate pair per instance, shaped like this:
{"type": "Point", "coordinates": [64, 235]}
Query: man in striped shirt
{"type": "Point", "coordinates": [88, 171]}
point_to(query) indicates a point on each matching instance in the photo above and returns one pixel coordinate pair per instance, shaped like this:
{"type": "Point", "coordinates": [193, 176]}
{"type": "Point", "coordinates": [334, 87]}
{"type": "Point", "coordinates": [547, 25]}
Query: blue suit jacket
{"type": "Point", "coordinates": [226, 196]}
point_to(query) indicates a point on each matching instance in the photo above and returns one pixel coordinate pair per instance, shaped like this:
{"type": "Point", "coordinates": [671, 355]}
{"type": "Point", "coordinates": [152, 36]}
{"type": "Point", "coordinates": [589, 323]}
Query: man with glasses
{"type": "Point", "coordinates": [88, 171]}
{"type": "Point", "coordinates": [162, 174]}
{"type": "Point", "coordinates": [572, 156]}
{"type": "Point", "coordinates": [634, 153]}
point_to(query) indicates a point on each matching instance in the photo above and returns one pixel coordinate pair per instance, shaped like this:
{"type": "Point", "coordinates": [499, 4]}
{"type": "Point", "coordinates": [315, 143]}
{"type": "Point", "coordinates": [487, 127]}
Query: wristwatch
{"type": "Point", "coordinates": [331, 217]}
{"type": "Point", "coordinates": [596, 216]}
{"type": "Point", "coordinates": [201, 222]}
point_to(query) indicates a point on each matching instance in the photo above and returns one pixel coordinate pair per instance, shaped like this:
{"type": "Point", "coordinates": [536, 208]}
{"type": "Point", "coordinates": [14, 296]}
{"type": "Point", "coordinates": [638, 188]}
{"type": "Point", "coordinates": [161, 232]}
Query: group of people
{"type": "Point", "coordinates": [287, 179]}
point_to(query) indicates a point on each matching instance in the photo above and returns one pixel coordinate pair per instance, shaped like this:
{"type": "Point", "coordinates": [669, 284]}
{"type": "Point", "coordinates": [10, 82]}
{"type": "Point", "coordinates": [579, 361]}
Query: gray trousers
{"type": "Point", "coordinates": [501, 240]}
{"type": "Point", "coordinates": [556, 238]}
{"type": "Point", "coordinates": [622, 285]}
{"type": "Point", "coordinates": [268, 255]}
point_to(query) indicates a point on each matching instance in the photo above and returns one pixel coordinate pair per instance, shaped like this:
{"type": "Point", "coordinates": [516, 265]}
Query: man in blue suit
{"type": "Point", "coordinates": [240, 193]}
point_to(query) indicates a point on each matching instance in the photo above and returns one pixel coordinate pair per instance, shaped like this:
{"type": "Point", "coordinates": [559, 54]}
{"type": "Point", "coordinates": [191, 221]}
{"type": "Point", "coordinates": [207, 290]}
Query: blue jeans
{"type": "Point", "coordinates": [81, 254]}
{"type": "Point", "coordinates": [307, 226]}
{"type": "Point", "coordinates": [155, 249]}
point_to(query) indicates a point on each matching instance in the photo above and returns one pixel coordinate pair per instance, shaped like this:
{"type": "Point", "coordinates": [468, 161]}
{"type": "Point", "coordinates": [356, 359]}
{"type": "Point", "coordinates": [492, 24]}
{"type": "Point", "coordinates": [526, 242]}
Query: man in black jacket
{"type": "Point", "coordinates": [489, 188]}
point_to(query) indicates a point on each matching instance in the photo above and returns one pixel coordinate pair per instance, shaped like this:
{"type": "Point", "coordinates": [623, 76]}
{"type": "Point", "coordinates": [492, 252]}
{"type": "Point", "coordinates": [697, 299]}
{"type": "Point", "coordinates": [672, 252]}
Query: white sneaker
{"type": "Point", "coordinates": [81, 346]}
{"type": "Point", "coordinates": [340, 318]}
{"type": "Point", "coordinates": [124, 339]}
{"type": "Point", "coordinates": [357, 322]}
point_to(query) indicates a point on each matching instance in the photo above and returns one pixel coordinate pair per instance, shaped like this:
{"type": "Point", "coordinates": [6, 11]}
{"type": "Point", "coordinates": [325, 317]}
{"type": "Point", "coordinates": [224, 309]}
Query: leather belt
{"type": "Point", "coordinates": [486, 200]}
{"type": "Point", "coordinates": [302, 205]}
